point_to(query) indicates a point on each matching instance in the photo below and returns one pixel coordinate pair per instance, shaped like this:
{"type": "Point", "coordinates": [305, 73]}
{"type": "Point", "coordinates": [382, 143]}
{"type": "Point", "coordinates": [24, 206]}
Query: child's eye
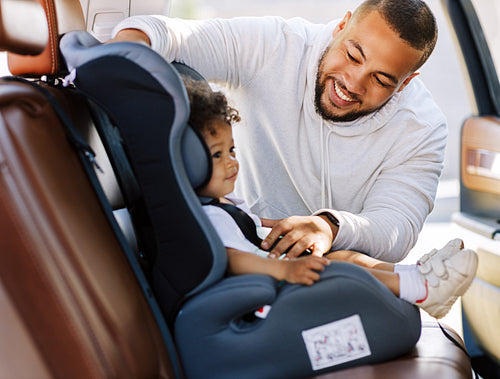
{"type": "Point", "coordinates": [232, 150]}
{"type": "Point", "coordinates": [216, 154]}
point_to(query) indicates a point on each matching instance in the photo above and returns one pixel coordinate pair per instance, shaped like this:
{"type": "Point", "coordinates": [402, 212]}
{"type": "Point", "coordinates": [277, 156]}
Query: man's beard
{"type": "Point", "coordinates": [327, 114]}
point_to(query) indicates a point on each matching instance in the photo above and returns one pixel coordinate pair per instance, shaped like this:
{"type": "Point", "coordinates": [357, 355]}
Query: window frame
{"type": "Point", "coordinates": [477, 56]}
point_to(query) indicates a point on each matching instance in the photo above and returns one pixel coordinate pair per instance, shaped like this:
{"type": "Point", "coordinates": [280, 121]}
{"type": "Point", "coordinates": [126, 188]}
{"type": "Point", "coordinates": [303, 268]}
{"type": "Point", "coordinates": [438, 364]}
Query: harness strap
{"type": "Point", "coordinates": [243, 220]}
{"type": "Point", "coordinates": [246, 224]}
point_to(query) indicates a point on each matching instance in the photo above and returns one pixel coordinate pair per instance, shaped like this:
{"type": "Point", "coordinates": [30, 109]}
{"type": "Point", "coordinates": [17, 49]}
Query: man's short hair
{"type": "Point", "coordinates": [411, 19]}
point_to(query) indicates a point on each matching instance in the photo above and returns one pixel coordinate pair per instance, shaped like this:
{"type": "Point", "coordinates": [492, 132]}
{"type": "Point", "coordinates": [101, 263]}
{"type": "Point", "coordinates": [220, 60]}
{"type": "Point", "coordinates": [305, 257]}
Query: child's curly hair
{"type": "Point", "coordinates": [207, 106]}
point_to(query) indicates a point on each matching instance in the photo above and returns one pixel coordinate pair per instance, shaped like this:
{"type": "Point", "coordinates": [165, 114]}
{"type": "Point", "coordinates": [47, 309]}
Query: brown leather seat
{"type": "Point", "coordinates": [434, 356]}
{"type": "Point", "coordinates": [70, 304]}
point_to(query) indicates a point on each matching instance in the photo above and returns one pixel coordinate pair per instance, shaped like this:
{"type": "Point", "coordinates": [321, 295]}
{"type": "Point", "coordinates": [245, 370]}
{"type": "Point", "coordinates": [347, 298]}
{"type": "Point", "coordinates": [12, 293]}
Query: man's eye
{"type": "Point", "coordinates": [351, 58]}
{"type": "Point", "coordinates": [380, 82]}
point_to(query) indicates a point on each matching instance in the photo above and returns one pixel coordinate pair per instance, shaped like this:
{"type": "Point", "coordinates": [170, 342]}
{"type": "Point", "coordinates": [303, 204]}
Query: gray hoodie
{"type": "Point", "coordinates": [378, 175]}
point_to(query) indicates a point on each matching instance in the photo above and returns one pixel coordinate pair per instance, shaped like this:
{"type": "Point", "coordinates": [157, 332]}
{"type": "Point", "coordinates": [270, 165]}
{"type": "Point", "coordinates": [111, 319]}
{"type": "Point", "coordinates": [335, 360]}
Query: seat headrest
{"type": "Point", "coordinates": [23, 27]}
{"type": "Point", "coordinates": [59, 17]}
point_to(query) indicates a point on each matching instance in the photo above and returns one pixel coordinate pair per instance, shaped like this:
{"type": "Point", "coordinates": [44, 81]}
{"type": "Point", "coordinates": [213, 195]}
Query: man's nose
{"type": "Point", "coordinates": [356, 82]}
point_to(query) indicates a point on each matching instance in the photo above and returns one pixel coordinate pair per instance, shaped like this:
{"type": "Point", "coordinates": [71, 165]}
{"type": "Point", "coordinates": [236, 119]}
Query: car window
{"type": "Point", "coordinates": [488, 13]}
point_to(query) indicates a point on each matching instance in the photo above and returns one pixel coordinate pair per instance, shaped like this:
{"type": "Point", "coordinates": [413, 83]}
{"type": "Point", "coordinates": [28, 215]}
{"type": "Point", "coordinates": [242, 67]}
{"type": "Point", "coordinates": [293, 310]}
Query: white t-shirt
{"type": "Point", "coordinates": [228, 230]}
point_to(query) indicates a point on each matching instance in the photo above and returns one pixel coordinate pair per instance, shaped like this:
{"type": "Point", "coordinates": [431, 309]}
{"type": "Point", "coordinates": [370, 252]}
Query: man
{"type": "Point", "coordinates": [335, 122]}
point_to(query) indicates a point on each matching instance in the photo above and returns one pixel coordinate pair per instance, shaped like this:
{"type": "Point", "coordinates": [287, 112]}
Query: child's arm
{"type": "Point", "coordinates": [300, 270]}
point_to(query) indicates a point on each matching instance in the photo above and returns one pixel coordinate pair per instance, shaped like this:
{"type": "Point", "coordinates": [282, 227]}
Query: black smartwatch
{"type": "Point", "coordinates": [330, 218]}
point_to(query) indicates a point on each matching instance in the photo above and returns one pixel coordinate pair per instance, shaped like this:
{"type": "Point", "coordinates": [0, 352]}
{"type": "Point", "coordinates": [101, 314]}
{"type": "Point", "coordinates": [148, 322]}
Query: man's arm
{"type": "Point", "coordinates": [131, 35]}
{"type": "Point", "coordinates": [394, 211]}
{"type": "Point", "coordinates": [232, 51]}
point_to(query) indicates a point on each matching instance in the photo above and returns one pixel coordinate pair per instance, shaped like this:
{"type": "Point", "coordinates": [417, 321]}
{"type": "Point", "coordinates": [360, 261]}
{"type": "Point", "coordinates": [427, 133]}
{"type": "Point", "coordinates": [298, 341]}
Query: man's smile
{"type": "Point", "coordinates": [339, 97]}
{"type": "Point", "coordinates": [341, 94]}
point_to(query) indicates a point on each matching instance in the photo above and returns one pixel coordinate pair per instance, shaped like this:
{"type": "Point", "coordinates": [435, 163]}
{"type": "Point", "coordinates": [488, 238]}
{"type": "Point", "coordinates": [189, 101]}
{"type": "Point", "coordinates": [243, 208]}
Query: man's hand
{"type": "Point", "coordinates": [299, 233]}
{"type": "Point", "coordinates": [131, 35]}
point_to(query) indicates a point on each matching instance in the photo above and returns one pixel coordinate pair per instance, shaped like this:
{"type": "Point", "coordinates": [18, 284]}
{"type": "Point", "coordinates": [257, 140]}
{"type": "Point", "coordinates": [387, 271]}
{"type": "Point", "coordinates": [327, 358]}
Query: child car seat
{"type": "Point", "coordinates": [348, 318]}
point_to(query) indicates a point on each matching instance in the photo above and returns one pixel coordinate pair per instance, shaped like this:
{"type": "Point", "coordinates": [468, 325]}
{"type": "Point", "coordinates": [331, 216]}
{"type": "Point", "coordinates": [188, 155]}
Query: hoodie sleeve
{"type": "Point", "coordinates": [232, 51]}
{"type": "Point", "coordinates": [403, 195]}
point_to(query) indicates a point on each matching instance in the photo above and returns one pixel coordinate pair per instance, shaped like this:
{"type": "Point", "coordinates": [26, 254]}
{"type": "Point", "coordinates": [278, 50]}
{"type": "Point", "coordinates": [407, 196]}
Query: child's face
{"type": "Point", "coordinates": [225, 165]}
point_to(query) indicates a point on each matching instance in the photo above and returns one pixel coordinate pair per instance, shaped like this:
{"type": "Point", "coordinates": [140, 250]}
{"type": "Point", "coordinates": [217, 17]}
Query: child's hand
{"type": "Point", "coordinates": [304, 270]}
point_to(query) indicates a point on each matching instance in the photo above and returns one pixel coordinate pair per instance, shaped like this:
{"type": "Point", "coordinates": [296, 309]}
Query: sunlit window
{"type": "Point", "coordinates": [4, 70]}
{"type": "Point", "coordinates": [488, 13]}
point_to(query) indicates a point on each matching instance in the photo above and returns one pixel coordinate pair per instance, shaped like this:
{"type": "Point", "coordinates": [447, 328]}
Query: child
{"type": "Point", "coordinates": [434, 283]}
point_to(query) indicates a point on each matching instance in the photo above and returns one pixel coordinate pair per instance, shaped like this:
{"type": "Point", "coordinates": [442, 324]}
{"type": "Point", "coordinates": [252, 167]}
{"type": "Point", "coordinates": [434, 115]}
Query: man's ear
{"type": "Point", "coordinates": [342, 24]}
{"type": "Point", "coordinates": [408, 80]}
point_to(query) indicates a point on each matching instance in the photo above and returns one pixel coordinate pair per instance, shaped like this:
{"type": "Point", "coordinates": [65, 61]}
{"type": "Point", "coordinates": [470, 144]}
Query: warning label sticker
{"type": "Point", "coordinates": [337, 342]}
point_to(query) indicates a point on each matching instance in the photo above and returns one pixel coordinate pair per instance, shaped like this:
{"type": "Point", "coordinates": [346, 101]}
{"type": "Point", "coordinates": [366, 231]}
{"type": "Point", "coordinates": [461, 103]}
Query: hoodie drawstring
{"type": "Point", "coordinates": [326, 183]}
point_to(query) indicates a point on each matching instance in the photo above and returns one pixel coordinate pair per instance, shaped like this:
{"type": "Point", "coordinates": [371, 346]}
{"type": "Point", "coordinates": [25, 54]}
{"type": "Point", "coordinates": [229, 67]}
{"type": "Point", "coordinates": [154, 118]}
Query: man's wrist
{"type": "Point", "coordinates": [332, 221]}
{"type": "Point", "coordinates": [331, 218]}
{"type": "Point", "coordinates": [132, 35]}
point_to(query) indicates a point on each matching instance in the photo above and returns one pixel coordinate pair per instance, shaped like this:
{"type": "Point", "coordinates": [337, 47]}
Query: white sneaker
{"type": "Point", "coordinates": [451, 248]}
{"type": "Point", "coordinates": [448, 273]}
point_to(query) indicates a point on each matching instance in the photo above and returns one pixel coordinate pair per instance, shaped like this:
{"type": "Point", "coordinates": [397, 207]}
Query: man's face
{"type": "Point", "coordinates": [362, 68]}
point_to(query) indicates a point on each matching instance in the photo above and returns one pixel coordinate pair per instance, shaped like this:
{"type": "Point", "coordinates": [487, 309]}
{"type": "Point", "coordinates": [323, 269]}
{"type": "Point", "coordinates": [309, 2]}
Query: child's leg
{"type": "Point", "coordinates": [363, 260]}
{"type": "Point", "coordinates": [403, 281]}
{"type": "Point", "coordinates": [389, 279]}
{"type": "Point", "coordinates": [360, 259]}
{"type": "Point", "coordinates": [434, 283]}
{"type": "Point", "coordinates": [407, 284]}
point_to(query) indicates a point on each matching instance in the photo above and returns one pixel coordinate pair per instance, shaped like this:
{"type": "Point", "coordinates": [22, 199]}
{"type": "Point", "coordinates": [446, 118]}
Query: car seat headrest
{"type": "Point", "coordinates": [196, 159]}
{"type": "Point", "coordinates": [23, 27]}
{"type": "Point", "coordinates": [60, 17]}
{"type": "Point", "coordinates": [195, 152]}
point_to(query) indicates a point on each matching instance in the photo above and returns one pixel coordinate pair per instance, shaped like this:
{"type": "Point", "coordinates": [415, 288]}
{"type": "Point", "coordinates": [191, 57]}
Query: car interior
{"type": "Point", "coordinates": [77, 296]}
{"type": "Point", "coordinates": [478, 219]}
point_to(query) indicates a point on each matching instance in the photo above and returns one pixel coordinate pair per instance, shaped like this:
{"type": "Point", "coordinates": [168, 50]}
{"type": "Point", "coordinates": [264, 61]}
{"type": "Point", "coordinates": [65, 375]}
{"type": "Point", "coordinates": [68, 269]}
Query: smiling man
{"type": "Point", "coordinates": [338, 131]}
{"type": "Point", "coordinates": [357, 74]}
